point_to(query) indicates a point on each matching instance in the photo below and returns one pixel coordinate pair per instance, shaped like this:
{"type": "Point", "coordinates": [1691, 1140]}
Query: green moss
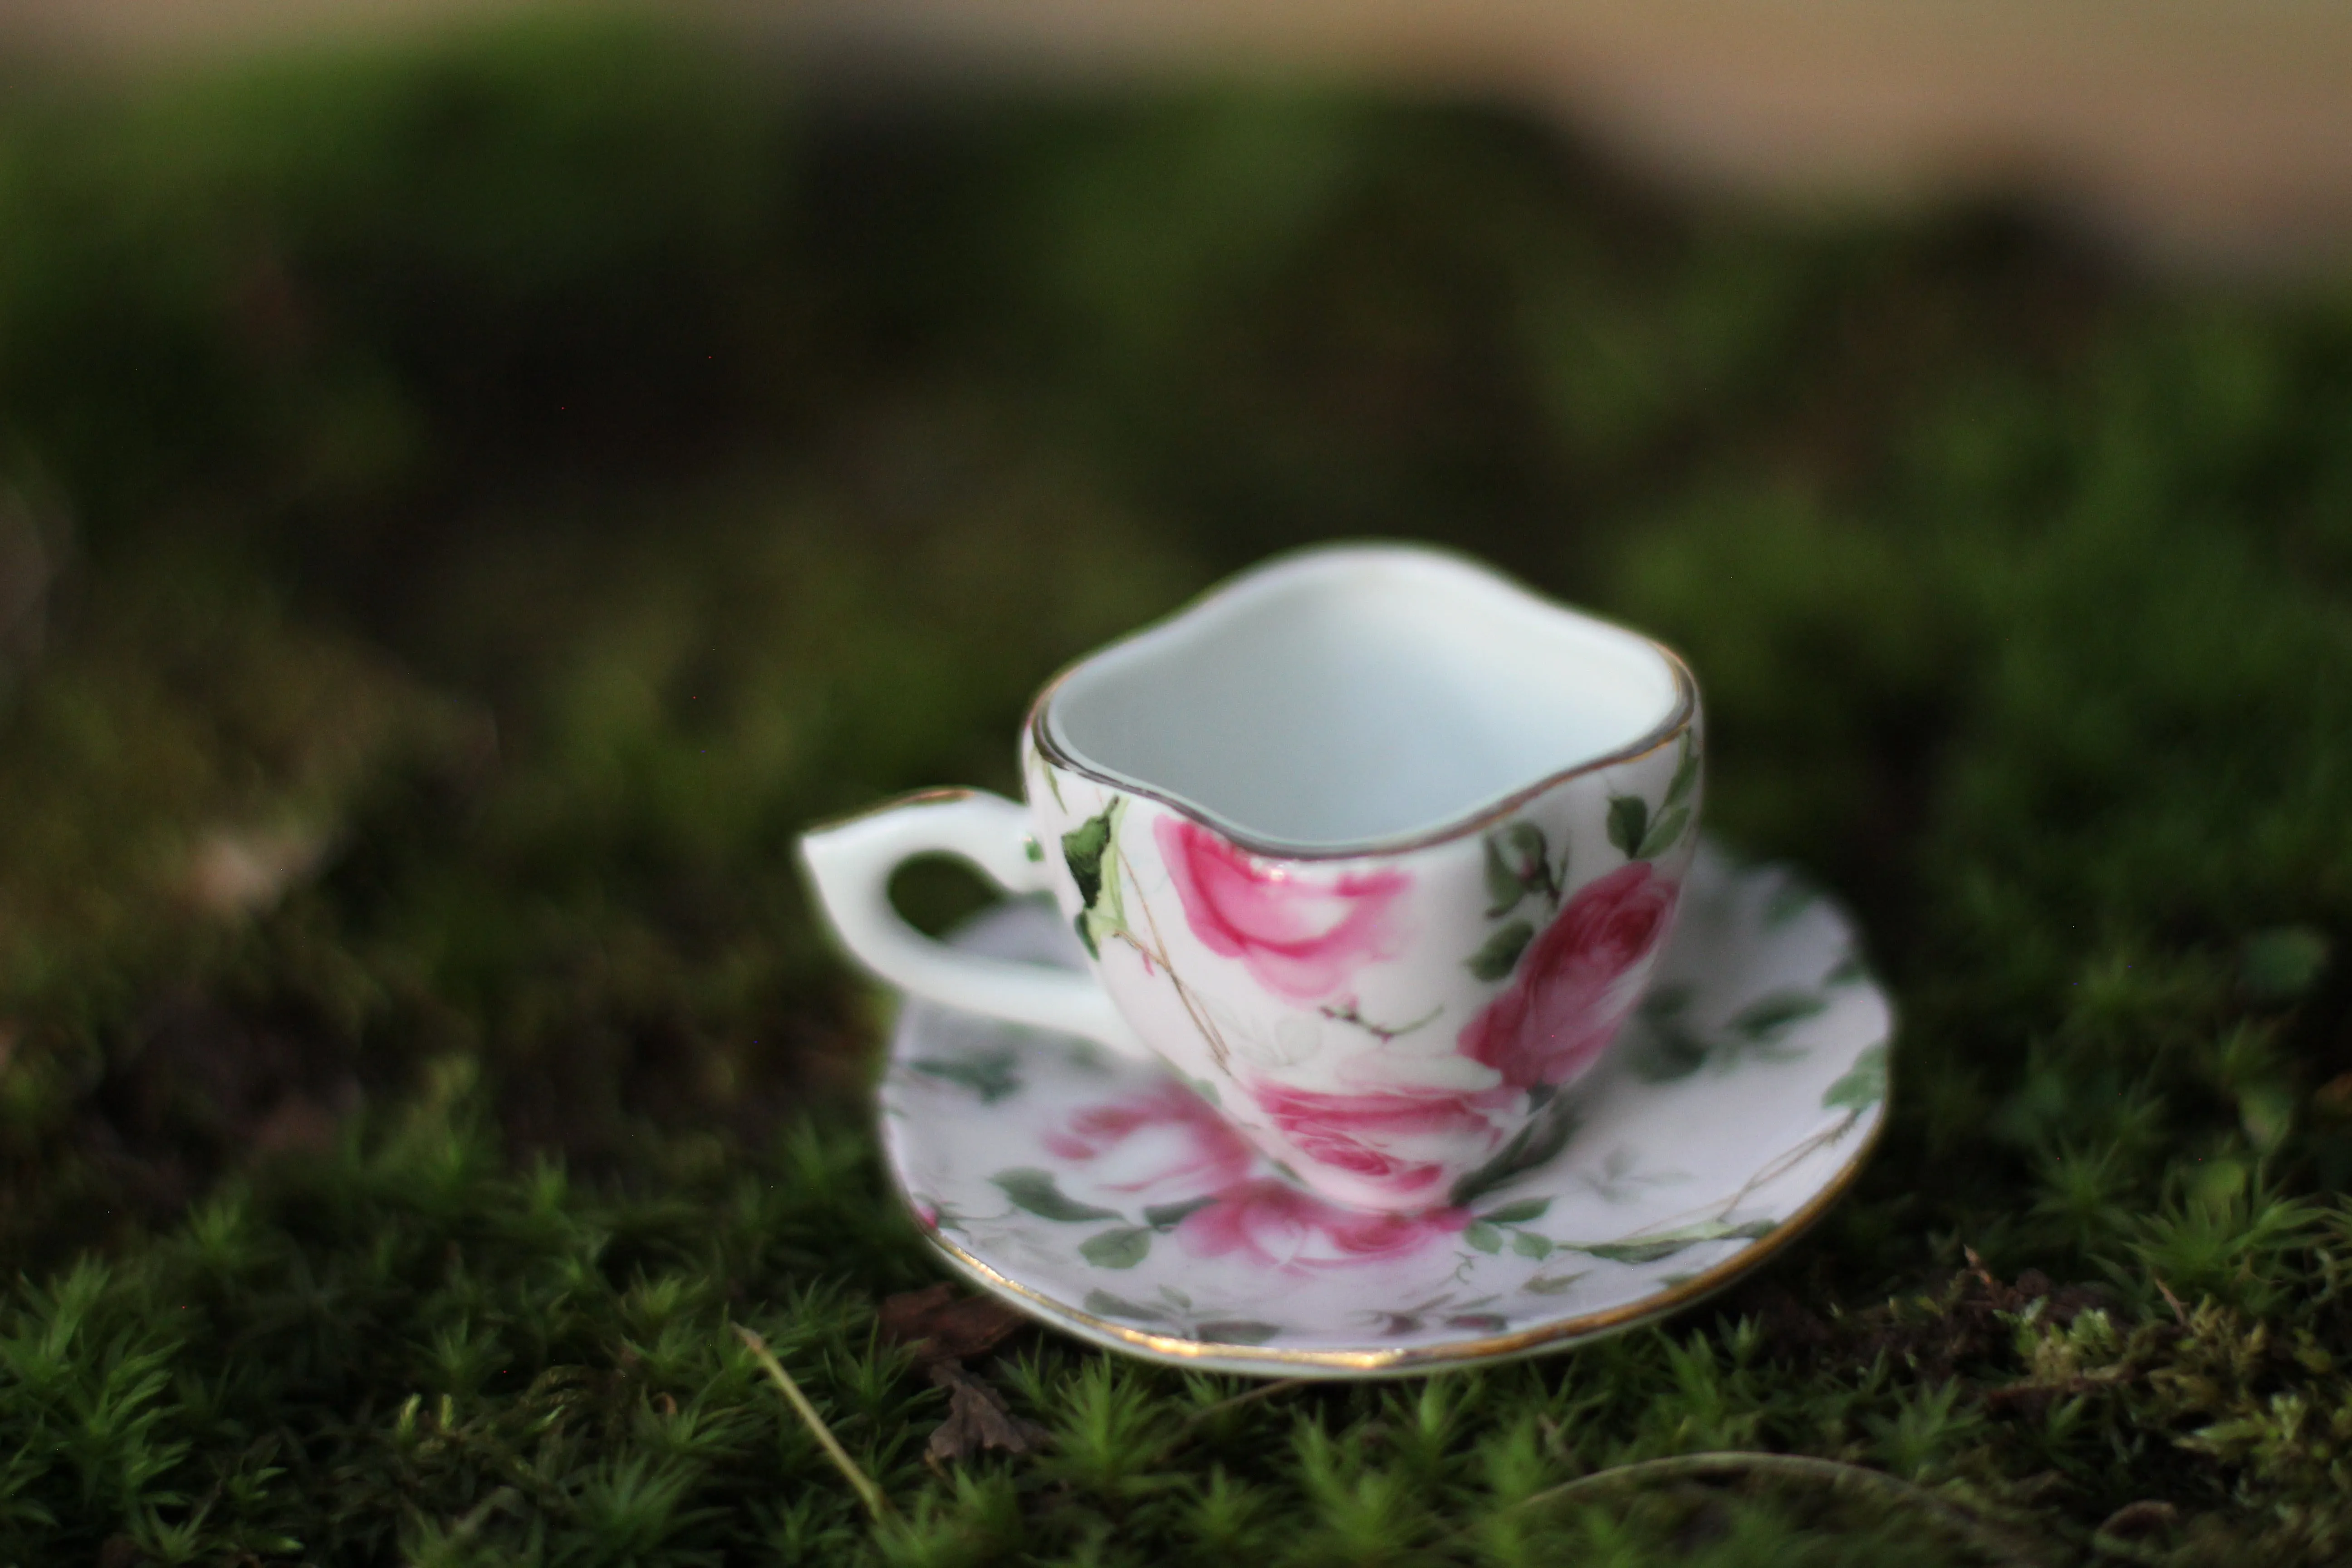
{"type": "Point", "coordinates": [521, 481]}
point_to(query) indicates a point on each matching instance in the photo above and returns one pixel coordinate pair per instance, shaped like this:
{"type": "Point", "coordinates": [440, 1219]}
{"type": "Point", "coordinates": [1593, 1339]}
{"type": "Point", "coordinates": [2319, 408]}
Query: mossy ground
{"type": "Point", "coordinates": [499, 493]}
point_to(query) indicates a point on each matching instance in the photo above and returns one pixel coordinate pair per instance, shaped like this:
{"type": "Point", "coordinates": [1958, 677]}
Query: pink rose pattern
{"type": "Point", "coordinates": [1304, 938]}
{"type": "Point", "coordinates": [1272, 1224]}
{"type": "Point", "coordinates": [1395, 1138]}
{"type": "Point", "coordinates": [1574, 985]}
{"type": "Point", "coordinates": [1570, 997]}
{"type": "Point", "coordinates": [1301, 937]}
{"type": "Point", "coordinates": [1167, 1143]}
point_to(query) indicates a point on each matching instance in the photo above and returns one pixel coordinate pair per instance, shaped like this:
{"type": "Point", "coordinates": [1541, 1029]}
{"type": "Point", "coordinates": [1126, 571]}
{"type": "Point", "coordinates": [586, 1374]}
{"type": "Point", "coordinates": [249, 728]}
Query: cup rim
{"type": "Point", "coordinates": [1680, 718]}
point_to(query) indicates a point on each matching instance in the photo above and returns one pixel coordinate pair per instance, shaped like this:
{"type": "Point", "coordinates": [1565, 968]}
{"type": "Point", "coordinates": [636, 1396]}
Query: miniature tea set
{"type": "Point", "coordinates": [1383, 1009]}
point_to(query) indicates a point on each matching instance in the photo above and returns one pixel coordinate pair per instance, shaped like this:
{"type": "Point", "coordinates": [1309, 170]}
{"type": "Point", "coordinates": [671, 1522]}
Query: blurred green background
{"type": "Point", "coordinates": [464, 507]}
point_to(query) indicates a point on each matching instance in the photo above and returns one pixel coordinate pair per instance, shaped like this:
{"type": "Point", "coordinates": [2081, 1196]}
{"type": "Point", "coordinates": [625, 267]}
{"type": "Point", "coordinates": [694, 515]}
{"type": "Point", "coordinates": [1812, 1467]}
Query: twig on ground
{"type": "Point", "coordinates": [860, 1482]}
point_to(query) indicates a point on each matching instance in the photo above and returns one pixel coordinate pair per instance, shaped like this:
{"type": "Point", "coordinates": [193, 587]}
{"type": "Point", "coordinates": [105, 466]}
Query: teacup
{"type": "Point", "coordinates": [1374, 848]}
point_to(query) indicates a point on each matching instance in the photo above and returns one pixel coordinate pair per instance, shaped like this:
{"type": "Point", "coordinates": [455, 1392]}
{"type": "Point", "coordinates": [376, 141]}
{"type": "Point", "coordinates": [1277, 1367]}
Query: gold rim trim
{"type": "Point", "coordinates": [1681, 719]}
{"type": "Point", "coordinates": [939, 795]}
{"type": "Point", "coordinates": [1172, 1348]}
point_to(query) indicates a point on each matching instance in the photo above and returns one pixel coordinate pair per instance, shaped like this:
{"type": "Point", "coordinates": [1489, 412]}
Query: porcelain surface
{"type": "Point", "coordinates": [1107, 1197]}
{"type": "Point", "coordinates": [1374, 848]}
{"type": "Point", "coordinates": [1383, 1025]}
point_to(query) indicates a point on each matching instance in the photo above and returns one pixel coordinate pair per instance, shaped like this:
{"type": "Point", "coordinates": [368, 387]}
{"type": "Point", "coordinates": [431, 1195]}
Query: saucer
{"type": "Point", "coordinates": [1104, 1197]}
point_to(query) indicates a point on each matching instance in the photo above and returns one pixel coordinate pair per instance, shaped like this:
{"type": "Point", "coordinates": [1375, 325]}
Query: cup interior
{"type": "Point", "coordinates": [1351, 697]}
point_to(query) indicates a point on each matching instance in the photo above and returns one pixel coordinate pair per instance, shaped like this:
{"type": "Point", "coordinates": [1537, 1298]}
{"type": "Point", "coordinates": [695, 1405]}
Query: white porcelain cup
{"type": "Point", "coordinates": [1374, 848]}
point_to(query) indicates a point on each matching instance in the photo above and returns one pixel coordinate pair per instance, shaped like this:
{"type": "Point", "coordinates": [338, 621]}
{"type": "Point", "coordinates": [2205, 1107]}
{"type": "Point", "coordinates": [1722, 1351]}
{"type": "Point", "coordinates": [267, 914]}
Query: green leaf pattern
{"type": "Point", "coordinates": [1500, 953]}
{"type": "Point", "coordinates": [1121, 1248]}
{"type": "Point", "coordinates": [1670, 1046]}
{"type": "Point", "coordinates": [1628, 824]}
{"type": "Point", "coordinates": [1863, 1084]}
{"type": "Point", "coordinates": [1504, 888]}
{"type": "Point", "coordinates": [1037, 1192]}
{"type": "Point", "coordinates": [1773, 1015]}
{"type": "Point", "coordinates": [1671, 1243]}
{"type": "Point", "coordinates": [1090, 851]}
{"type": "Point", "coordinates": [1534, 1145]}
{"type": "Point", "coordinates": [991, 1075]}
{"type": "Point", "coordinates": [1517, 865]}
{"type": "Point", "coordinates": [1643, 835]}
{"type": "Point", "coordinates": [1663, 833]}
{"type": "Point", "coordinates": [1685, 774]}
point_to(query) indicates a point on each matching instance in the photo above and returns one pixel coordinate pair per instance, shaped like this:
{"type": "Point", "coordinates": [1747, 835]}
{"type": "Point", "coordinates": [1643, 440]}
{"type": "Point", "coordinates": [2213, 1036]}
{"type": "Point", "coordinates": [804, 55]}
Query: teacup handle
{"type": "Point", "coordinates": [850, 865]}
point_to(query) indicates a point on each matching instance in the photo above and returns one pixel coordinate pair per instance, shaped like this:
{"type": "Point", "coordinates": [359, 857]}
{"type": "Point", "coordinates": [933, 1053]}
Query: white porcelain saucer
{"type": "Point", "coordinates": [1105, 1198]}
